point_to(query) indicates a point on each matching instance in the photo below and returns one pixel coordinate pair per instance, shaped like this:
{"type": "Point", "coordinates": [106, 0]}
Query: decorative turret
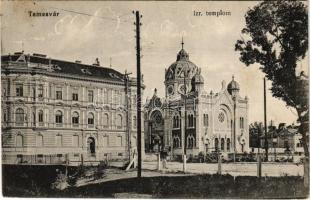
{"type": "Point", "coordinates": [198, 81]}
{"type": "Point", "coordinates": [233, 87]}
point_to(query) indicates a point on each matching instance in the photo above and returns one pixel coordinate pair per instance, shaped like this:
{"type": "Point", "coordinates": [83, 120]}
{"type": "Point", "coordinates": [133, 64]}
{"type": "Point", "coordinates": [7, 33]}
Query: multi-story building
{"type": "Point", "coordinates": [208, 121]}
{"type": "Point", "coordinates": [59, 111]}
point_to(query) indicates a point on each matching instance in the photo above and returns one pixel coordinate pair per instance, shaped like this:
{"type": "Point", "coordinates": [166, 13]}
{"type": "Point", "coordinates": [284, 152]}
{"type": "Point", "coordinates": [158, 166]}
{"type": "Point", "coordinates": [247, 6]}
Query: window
{"type": "Point", "coordinates": [176, 121]}
{"type": "Point", "coordinates": [206, 120]}
{"type": "Point", "coordinates": [59, 94]}
{"type": "Point", "coordinates": [75, 97]}
{"type": "Point", "coordinates": [39, 140]}
{"type": "Point", "coordinates": [216, 144]}
{"type": "Point", "coordinates": [190, 120]}
{"type": "Point", "coordinates": [40, 116]}
{"type": "Point", "coordinates": [19, 116]}
{"type": "Point", "coordinates": [105, 141]}
{"type": "Point", "coordinates": [134, 99]}
{"type": "Point", "coordinates": [176, 142]}
{"type": "Point", "coordinates": [40, 91]}
{"type": "Point", "coordinates": [241, 122]}
{"type": "Point", "coordinates": [90, 96]}
{"type": "Point", "coordinates": [221, 117]}
{"type": "Point", "coordinates": [190, 142]}
{"type": "Point", "coordinates": [34, 118]}
{"type": "Point", "coordinates": [34, 92]}
{"type": "Point", "coordinates": [119, 141]}
{"type": "Point", "coordinates": [117, 97]}
{"type": "Point", "coordinates": [105, 97]}
{"type": "Point", "coordinates": [228, 144]}
{"type": "Point", "coordinates": [4, 93]}
{"type": "Point", "coordinates": [75, 141]}
{"type": "Point", "coordinates": [19, 90]}
{"type": "Point", "coordinates": [109, 96]}
{"type": "Point", "coordinates": [134, 122]}
{"type": "Point", "coordinates": [75, 118]}
{"type": "Point", "coordinates": [58, 117]}
{"type": "Point", "coordinates": [4, 116]}
{"type": "Point", "coordinates": [119, 121]}
{"type": "Point", "coordinates": [90, 119]}
{"type": "Point", "coordinates": [105, 120]}
{"type": "Point", "coordinates": [58, 140]}
{"type": "Point", "coordinates": [50, 91]}
{"type": "Point", "coordinates": [19, 141]}
{"type": "Point", "coordinates": [222, 144]}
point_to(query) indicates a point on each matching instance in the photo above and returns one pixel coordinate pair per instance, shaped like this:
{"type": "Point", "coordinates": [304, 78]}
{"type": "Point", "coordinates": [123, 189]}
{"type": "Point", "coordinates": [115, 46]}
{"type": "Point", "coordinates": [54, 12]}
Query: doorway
{"type": "Point", "coordinates": [91, 146]}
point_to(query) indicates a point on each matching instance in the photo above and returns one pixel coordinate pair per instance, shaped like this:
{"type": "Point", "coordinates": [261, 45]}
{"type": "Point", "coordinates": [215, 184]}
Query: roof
{"type": "Point", "coordinates": [67, 67]}
{"type": "Point", "coordinates": [182, 64]}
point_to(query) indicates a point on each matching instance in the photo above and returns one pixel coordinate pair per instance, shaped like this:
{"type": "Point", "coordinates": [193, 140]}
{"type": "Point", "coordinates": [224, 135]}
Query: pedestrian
{"type": "Point", "coordinates": [164, 155]}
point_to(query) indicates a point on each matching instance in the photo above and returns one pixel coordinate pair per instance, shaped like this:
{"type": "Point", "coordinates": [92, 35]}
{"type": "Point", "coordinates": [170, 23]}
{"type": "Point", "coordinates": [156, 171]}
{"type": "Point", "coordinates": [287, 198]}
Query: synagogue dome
{"type": "Point", "coordinates": [182, 64]}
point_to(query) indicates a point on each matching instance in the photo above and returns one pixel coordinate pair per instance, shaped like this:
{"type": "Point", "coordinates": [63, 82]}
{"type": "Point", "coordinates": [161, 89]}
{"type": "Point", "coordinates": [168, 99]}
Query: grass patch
{"type": "Point", "coordinates": [192, 186]}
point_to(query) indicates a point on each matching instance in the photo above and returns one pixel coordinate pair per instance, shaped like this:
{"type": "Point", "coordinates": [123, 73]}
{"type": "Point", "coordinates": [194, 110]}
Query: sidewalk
{"type": "Point", "coordinates": [234, 169]}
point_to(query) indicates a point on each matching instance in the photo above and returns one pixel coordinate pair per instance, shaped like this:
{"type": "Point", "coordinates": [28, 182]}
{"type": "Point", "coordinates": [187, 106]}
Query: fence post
{"type": "Point", "coordinates": [158, 162]}
{"type": "Point", "coordinates": [259, 167]}
{"type": "Point", "coordinates": [219, 169]}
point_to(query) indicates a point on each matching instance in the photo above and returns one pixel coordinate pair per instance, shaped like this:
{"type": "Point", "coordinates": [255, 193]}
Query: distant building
{"type": "Point", "coordinates": [207, 121]}
{"type": "Point", "coordinates": [284, 142]}
{"type": "Point", "coordinates": [55, 111]}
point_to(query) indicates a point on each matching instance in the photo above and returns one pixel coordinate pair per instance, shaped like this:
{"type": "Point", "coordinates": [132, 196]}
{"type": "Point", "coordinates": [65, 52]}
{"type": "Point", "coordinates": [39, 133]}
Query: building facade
{"type": "Point", "coordinates": [57, 111]}
{"type": "Point", "coordinates": [208, 121]}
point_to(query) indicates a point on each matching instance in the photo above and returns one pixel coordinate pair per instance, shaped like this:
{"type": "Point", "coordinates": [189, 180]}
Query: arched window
{"type": "Point", "coordinates": [34, 118]}
{"type": "Point", "coordinates": [105, 120]}
{"type": "Point", "coordinates": [40, 116]}
{"type": "Point", "coordinates": [241, 122]}
{"type": "Point", "coordinates": [19, 140]}
{"type": "Point", "coordinates": [228, 144]}
{"type": "Point", "coordinates": [190, 122]}
{"type": "Point", "coordinates": [119, 121]}
{"type": "Point", "coordinates": [19, 118]}
{"type": "Point", "coordinates": [134, 121]}
{"type": "Point", "coordinates": [90, 118]}
{"type": "Point", "coordinates": [216, 144]}
{"type": "Point", "coordinates": [190, 142]}
{"type": "Point", "coordinates": [58, 117]}
{"type": "Point", "coordinates": [176, 121]}
{"type": "Point", "coordinates": [176, 142]}
{"type": "Point", "coordinates": [222, 144]}
{"type": "Point", "coordinates": [206, 120]}
{"type": "Point", "coordinates": [75, 118]}
{"type": "Point", "coordinates": [39, 140]}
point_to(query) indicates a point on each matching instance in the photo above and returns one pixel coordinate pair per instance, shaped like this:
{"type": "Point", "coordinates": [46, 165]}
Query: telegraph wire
{"type": "Point", "coordinates": [90, 15]}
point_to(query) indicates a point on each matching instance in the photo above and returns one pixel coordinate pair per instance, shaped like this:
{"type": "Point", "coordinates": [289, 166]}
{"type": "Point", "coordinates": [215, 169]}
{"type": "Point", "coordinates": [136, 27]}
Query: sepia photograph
{"type": "Point", "coordinates": [155, 99]}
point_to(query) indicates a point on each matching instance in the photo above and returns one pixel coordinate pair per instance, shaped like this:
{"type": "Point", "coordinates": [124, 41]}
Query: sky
{"type": "Point", "coordinates": [107, 32]}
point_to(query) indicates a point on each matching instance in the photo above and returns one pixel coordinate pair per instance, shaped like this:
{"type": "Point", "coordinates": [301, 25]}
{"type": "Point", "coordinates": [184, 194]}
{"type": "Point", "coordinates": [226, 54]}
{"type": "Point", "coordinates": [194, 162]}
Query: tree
{"type": "Point", "coordinates": [255, 132]}
{"type": "Point", "coordinates": [276, 37]}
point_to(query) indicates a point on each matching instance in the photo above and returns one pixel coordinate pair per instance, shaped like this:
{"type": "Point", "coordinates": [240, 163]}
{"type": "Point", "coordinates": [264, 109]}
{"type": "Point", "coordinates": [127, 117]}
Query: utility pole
{"type": "Point", "coordinates": [265, 121]}
{"type": "Point", "coordinates": [259, 162]}
{"type": "Point", "coordinates": [234, 99]}
{"type": "Point", "coordinates": [138, 24]}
